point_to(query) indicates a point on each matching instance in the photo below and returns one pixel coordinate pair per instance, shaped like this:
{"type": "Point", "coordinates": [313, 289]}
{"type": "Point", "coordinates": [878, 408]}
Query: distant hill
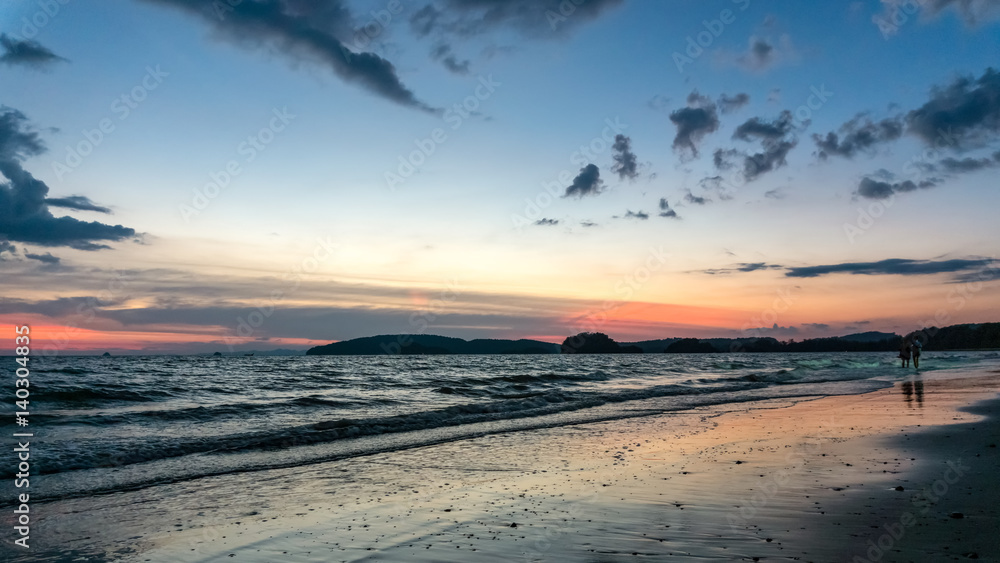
{"type": "Point", "coordinates": [420, 344]}
{"type": "Point", "coordinates": [651, 346]}
{"type": "Point", "coordinates": [690, 346]}
{"type": "Point", "coordinates": [595, 343]}
{"type": "Point", "coordinates": [870, 336]}
{"type": "Point", "coordinates": [956, 337]}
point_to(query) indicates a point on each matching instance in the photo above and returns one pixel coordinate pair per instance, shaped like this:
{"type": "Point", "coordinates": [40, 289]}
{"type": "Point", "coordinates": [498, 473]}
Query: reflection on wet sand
{"type": "Point", "coordinates": [914, 387]}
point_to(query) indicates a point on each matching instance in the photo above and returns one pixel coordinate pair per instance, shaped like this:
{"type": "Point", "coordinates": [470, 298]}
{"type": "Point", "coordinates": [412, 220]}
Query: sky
{"type": "Point", "coordinates": [183, 176]}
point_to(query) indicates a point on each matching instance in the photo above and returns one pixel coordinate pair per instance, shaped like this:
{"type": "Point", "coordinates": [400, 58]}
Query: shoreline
{"type": "Point", "coordinates": [680, 484]}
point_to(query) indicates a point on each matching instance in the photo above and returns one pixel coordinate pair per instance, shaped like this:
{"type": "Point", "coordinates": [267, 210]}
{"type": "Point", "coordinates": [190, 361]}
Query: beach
{"type": "Point", "coordinates": [905, 473]}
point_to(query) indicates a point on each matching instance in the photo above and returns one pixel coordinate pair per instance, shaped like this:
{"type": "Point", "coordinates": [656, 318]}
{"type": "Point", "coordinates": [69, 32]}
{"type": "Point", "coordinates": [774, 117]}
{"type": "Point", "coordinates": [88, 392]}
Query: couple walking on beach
{"type": "Point", "coordinates": [910, 348]}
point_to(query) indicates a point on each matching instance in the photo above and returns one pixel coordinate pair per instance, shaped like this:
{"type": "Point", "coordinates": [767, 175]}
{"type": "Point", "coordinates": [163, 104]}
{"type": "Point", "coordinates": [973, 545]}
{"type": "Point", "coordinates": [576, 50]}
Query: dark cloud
{"type": "Point", "coordinates": [587, 182]}
{"type": "Point", "coordinates": [693, 122]}
{"type": "Point", "coordinates": [24, 209]}
{"type": "Point", "coordinates": [629, 214]}
{"type": "Point", "coordinates": [447, 57]}
{"type": "Point", "coordinates": [757, 128]}
{"type": "Point", "coordinates": [762, 53]}
{"type": "Point", "coordinates": [729, 104]}
{"type": "Point", "coordinates": [966, 113]}
{"type": "Point", "coordinates": [588, 224]}
{"type": "Point", "coordinates": [860, 134]}
{"type": "Point", "coordinates": [894, 266]}
{"type": "Point", "coordinates": [776, 193]}
{"type": "Point", "coordinates": [544, 222]}
{"type": "Point", "coordinates": [691, 198]}
{"type": "Point", "coordinates": [881, 189]}
{"type": "Point", "coordinates": [960, 166]}
{"type": "Point", "coordinates": [304, 29]}
{"type": "Point", "coordinates": [26, 53]}
{"type": "Point", "coordinates": [666, 211]}
{"type": "Point", "coordinates": [743, 268]}
{"type": "Point", "coordinates": [759, 55]}
{"type": "Point", "coordinates": [529, 18]}
{"type": "Point", "coordinates": [723, 158]}
{"type": "Point", "coordinates": [626, 164]}
{"type": "Point", "coordinates": [77, 202]}
{"type": "Point", "coordinates": [817, 326]}
{"type": "Point", "coordinates": [46, 258]}
{"type": "Point", "coordinates": [961, 116]}
{"type": "Point", "coordinates": [776, 138]}
{"type": "Point", "coordinates": [8, 248]}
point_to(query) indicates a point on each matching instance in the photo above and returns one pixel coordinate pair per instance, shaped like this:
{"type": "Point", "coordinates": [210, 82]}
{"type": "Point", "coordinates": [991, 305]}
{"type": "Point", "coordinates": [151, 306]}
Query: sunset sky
{"type": "Point", "coordinates": [191, 176]}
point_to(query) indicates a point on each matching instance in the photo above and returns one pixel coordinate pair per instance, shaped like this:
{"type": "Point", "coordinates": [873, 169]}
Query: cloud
{"type": "Point", "coordinates": [776, 138]}
{"type": "Point", "coordinates": [587, 182]}
{"type": "Point", "coordinates": [626, 165]}
{"type": "Point", "coordinates": [880, 189]}
{"type": "Point", "coordinates": [304, 29]}
{"type": "Point", "coordinates": [817, 326]}
{"type": "Point", "coordinates": [860, 134]}
{"type": "Point", "coordinates": [961, 166]}
{"type": "Point", "coordinates": [443, 53]}
{"type": "Point", "coordinates": [529, 18]}
{"type": "Point", "coordinates": [729, 104]}
{"type": "Point", "coordinates": [24, 209]}
{"type": "Point", "coordinates": [8, 248]}
{"type": "Point", "coordinates": [666, 211]}
{"type": "Point", "coordinates": [658, 103]}
{"type": "Point", "coordinates": [972, 12]}
{"type": "Point", "coordinates": [545, 222]}
{"type": "Point", "coordinates": [743, 267]}
{"type": "Point", "coordinates": [691, 198]}
{"type": "Point", "coordinates": [46, 258]}
{"type": "Point", "coordinates": [964, 114]}
{"type": "Point", "coordinates": [588, 224]}
{"type": "Point", "coordinates": [26, 52]}
{"type": "Point", "coordinates": [762, 54]}
{"type": "Point", "coordinates": [693, 122]}
{"type": "Point", "coordinates": [776, 193]}
{"type": "Point", "coordinates": [894, 266]}
{"type": "Point", "coordinates": [77, 202]}
{"type": "Point", "coordinates": [629, 214]}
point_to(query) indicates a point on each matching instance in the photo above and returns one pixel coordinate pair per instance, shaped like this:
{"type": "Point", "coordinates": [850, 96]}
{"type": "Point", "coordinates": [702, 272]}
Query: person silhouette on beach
{"type": "Point", "coordinates": [904, 353]}
{"type": "Point", "coordinates": [916, 352]}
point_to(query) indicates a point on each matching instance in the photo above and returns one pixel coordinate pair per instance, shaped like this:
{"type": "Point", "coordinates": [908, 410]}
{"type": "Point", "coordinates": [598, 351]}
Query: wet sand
{"type": "Point", "coordinates": [907, 473]}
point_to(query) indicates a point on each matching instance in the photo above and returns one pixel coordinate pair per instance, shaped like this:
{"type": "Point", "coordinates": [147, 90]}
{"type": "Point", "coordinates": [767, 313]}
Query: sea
{"type": "Point", "coordinates": [109, 424]}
